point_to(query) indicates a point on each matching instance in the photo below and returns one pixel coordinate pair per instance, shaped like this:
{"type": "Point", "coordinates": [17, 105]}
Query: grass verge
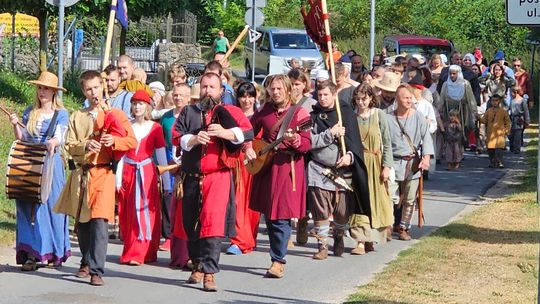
{"type": "Point", "coordinates": [489, 256]}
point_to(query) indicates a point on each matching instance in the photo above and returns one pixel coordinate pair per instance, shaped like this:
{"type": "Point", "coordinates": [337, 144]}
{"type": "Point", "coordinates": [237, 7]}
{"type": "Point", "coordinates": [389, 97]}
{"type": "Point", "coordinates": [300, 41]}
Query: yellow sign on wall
{"type": "Point", "coordinates": [24, 24]}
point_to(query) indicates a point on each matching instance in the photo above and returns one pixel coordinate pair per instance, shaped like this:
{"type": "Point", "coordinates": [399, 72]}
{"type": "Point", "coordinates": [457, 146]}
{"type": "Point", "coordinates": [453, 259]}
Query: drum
{"type": "Point", "coordinates": [29, 172]}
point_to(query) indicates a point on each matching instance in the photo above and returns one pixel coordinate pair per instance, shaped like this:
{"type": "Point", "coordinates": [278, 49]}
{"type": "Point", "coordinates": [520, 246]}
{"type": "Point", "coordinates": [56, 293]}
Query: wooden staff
{"type": "Point", "coordinates": [235, 44]}
{"type": "Point", "coordinates": [419, 199]}
{"type": "Point", "coordinates": [110, 30]}
{"type": "Point", "coordinates": [332, 71]}
{"type": "Point", "coordinates": [9, 113]}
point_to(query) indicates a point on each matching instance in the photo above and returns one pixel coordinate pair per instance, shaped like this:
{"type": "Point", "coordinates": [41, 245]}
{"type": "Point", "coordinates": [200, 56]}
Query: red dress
{"type": "Point", "coordinates": [247, 220]}
{"type": "Point", "coordinates": [140, 219]}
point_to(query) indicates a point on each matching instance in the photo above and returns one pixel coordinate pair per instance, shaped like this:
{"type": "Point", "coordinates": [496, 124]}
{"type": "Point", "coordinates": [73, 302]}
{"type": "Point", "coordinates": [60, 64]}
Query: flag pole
{"type": "Point", "coordinates": [110, 30]}
{"type": "Point", "coordinates": [332, 70]}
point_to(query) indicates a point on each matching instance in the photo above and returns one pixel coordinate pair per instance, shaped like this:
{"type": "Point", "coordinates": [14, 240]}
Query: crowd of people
{"type": "Point", "coordinates": [229, 152]}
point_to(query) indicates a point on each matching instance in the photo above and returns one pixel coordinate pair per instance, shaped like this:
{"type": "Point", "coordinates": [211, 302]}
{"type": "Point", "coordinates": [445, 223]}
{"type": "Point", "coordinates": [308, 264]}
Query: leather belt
{"type": "Point", "coordinates": [406, 158]}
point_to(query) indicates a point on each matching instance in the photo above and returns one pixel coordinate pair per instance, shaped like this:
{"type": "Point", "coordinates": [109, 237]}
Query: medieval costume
{"type": "Point", "coordinates": [47, 238]}
{"type": "Point", "coordinates": [278, 191]}
{"type": "Point", "coordinates": [92, 177]}
{"type": "Point", "coordinates": [208, 203]}
{"type": "Point", "coordinates": [325, 195]}
{"type": "Point", "coordinates": [140, 218]}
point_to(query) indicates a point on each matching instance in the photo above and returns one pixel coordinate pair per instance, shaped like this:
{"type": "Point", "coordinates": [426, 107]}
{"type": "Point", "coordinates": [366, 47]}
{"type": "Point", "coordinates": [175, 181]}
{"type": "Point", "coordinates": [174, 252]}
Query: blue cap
{"type": "Point", "coordinates": [499, 55]}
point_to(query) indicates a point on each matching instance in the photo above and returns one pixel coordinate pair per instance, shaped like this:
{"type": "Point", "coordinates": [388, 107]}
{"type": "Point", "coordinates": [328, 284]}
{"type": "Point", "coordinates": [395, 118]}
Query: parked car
{"type": "Point", "coordinates": [275, 49]}
{"type": "Point", "coordinates": [412, 44]}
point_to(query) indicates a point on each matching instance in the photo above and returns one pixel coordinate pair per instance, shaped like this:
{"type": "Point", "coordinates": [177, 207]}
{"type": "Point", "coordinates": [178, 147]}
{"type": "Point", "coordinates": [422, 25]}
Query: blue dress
{"type": "Point", "coordinates": [48, 238]}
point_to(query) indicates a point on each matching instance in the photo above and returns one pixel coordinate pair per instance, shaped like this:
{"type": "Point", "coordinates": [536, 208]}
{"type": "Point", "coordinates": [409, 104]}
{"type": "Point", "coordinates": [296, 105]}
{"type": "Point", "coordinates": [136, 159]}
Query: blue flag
{"type": "Point", "coordinates": [121, 12]}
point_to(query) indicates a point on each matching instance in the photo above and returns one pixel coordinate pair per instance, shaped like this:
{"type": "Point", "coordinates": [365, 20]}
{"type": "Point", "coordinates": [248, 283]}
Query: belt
{"type": "Point", "coordinates": [198, 175]}
{"type": "Point", "coordinates": [87, 167]}
{"type": "Point", "coordinates": [407, 157]}
{"type": "Point", "coordinates": [139, 191]}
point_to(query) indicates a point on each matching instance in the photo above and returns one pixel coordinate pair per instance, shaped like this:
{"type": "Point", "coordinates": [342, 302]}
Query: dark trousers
{"type": "Point", "coordinates": [93, 238]}
{"type": "Point", "coordinates": [516, 137]}
{"type": "Point", "coordinates": [279, 232]}
{"type": "Point", "coordinates": [205, 254]}
{"type": "Point", "coordinates": [495, 155]}
{"type": "Point", "coordinates": [397, 214]}
{"type": "Point", "coordinates": [166, 217]}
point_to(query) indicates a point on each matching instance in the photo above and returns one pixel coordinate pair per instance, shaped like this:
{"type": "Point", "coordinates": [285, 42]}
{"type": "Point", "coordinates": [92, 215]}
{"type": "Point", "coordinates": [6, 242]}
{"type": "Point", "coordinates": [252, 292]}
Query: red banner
{"type": "Point", "coordinates": [314, 23]}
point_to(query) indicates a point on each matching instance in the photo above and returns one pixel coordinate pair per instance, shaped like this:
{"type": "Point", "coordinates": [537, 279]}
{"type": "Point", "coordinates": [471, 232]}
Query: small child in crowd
{"type": "Point", "coordinates": [453, 141]}
{"type": "Point", "coordinates": [497, 124]}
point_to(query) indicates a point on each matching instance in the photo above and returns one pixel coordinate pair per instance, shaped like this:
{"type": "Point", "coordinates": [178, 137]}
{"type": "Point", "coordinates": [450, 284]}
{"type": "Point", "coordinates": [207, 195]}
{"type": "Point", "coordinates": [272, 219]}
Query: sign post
{"type": "Point", "coordinates": [62, 4]}
{"type": "Point", "coordinates": [254, 17]}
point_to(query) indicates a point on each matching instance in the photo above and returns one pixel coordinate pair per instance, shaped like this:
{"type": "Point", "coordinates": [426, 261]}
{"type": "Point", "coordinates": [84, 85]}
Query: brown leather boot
{"type": "Point", "coordinates": [404, 234]}
{"type": "Point", "coordinates": [369, 246]}
{"type": "Point", "coordinates": [196, 277]}
{"type": "Point", "coordinates": [96, 280]}
{"type": "Point", "coordinates": [209, 283]}
{"type": "Point", "coordinates": [276, 271]}
{"type": "Point", "coordinates": [389, 233]}
{"type": "Point", "coordinates": [339, 245]}
{"type": "Point", "coordinates": [84, 272]}
{"type": "Point", "coordinates": [359, 250]}
{"type": "Point", "coordinates": [323, 250]}
{"type": "Point", "coordinates": [301, 231]}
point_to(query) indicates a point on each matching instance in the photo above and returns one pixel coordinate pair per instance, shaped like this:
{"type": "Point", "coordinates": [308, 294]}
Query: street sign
{"type": "Point", "coordinates": [523, 12]}
{"type": "Point", "coordinates": [259, 17]}
{"type": "Point", "coordinates": [254, 35]}
{"type": "Point", "coordinates": [258, 3]}
{"type": "Point", "coordinates": [67, 3]}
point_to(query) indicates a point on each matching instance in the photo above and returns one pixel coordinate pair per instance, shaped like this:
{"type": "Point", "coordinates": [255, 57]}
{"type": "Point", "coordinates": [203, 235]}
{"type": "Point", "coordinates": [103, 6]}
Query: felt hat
{"type": "Point", "coordinates": [389, 82]}
{"type": "Point", "coordinates": [47, 79]}
{"type": "Point", "coordinates": [141, 95]}
{"type": "Point", "coordinates": [196, 91]}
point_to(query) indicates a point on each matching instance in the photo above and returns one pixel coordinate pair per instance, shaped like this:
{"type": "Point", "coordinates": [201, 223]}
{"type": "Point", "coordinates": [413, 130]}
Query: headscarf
{"type": "Point", "coordinates": [471, 57]}
{"type": "Point", "coordinates": [455, 89]}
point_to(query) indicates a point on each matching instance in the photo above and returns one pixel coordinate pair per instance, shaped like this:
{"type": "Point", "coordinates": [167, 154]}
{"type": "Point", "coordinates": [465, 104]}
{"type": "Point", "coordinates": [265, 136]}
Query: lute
{"type": "Point", "coordinates": [265, 151]}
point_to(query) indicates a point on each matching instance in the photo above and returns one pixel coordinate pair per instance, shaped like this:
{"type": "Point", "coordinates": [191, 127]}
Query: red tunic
{"type": "Point", "coordinates": [272, 189]}
{"type": "Point", "coordinates": [212, 218]}
{"type": "Point", "coordinates": [132, 226]}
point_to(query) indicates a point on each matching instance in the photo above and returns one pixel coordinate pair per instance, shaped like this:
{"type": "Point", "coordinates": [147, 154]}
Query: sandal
{"type": "Point", "coordinates": [29, 265]}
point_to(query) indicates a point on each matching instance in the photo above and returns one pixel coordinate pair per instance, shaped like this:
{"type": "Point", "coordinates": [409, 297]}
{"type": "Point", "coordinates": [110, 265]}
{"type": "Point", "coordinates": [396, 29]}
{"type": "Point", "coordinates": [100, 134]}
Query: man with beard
{"type": "Point", "coordinates": [279, 190]}
{"type": "Point", "coordinates": [387, 86]}
{"type": "Point", "coordinates": [211, 135]}
{"type": "Point", "coordinates": [357, 66]}
{"type": "Point", "coordinates": [326, 196]}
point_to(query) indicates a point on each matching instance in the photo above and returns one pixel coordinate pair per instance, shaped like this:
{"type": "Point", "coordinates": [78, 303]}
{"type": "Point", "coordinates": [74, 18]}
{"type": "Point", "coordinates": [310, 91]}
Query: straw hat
{"type": "Point", "coordinates": [47, 79]}
{"type": "Point", "coordinates": [389, 82]}
{"type": "Point", "coordinates": [196, 91]}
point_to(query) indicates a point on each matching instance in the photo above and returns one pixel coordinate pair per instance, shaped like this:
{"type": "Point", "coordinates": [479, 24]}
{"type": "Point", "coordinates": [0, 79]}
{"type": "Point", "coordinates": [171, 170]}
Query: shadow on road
{"type": "Point", "coordinates": [270, 299]}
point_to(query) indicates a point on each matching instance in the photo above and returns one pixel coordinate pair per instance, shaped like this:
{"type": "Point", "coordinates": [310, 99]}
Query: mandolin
{"type": "Point", "coordinates": [265, 151]}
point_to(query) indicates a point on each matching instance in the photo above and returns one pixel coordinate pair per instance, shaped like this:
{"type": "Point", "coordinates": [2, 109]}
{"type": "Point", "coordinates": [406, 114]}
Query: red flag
{"type": "Point", "coordinates": [314, 23]}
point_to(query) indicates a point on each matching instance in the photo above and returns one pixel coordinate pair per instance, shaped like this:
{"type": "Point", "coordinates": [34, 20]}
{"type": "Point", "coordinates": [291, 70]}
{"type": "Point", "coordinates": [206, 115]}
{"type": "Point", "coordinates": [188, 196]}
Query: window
{"type": "Point", "coordinates": [292, 41]}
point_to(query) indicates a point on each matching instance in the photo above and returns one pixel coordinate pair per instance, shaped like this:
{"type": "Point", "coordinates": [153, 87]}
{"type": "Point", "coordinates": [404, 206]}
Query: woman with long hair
{"type": "Point", "coordinates": [140, 215]}
{"type": "Point", "coordinates": [42, 235]}
{"type": "Point", "coordinates": [375, 137]}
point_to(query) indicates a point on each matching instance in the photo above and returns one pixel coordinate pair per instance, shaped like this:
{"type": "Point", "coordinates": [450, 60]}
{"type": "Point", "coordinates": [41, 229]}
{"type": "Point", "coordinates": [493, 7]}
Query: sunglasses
{"type": "Point", "coordinates": [517, 65]}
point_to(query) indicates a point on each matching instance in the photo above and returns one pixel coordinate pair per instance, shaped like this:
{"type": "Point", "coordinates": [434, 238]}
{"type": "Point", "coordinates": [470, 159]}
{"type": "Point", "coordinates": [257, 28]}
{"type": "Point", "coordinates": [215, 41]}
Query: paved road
{"type": "Point", "coordinates": [241, 279]}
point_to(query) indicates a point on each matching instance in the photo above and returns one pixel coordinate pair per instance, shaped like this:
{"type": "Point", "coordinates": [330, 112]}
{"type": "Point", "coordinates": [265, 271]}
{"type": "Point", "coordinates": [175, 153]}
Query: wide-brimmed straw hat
{"type": "Point", "coordinates": [47, 79]}
{"type": "Point", "coordinates": [389, 82]}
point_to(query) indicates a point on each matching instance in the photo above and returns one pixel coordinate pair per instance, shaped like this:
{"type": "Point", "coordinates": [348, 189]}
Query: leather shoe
{"type": "Point", "coordinates": [404, 234]}
{"type": "Point", "coordinates": [195, 278]}
{"type": "Point", "coordinates": [359, 250]}
{"type": "Point", "coordinates": [96, 280]}
{"type": "Point", "coordinates": [84, 272]}
{"type": "Point", "coordinates": [276, 271]}
{"type": "Point", "coordinates": [209, 283]}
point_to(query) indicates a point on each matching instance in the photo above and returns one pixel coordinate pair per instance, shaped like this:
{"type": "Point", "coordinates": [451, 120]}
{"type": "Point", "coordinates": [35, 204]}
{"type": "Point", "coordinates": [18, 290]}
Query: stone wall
{"type": "Point", "coordinates": [169, 53]}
